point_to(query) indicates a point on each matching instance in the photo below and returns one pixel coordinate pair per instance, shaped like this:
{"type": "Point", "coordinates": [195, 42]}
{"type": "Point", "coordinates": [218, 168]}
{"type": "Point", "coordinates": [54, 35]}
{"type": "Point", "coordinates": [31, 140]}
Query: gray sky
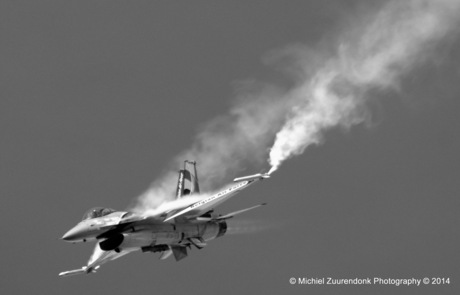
{"type": "Point", "coordinates": [98, 97]}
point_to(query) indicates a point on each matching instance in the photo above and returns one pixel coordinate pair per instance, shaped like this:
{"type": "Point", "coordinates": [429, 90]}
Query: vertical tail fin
{"type": "Point", "coordinates": [187, 183]}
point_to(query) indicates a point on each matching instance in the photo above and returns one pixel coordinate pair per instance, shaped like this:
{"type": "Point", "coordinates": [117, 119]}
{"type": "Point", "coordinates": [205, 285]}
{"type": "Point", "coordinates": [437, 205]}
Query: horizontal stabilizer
{"type": "Point", "coordinates": [252, 177]}
{"type": "Point", "coordinates": [230, 215]}
{"type": "Point", "coordinates": [72, 272]}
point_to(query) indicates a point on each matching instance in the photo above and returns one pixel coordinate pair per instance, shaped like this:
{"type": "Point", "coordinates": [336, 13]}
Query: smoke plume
{"type": "Point", "coordinates": [372, 55]}
{"type": "Point", "coordinates": [329, 90]}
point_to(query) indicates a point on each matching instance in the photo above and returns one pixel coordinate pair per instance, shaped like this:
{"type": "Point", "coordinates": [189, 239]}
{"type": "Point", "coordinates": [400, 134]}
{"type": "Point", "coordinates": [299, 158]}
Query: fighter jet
{"type": "Point", "coordinates": [170, 232]}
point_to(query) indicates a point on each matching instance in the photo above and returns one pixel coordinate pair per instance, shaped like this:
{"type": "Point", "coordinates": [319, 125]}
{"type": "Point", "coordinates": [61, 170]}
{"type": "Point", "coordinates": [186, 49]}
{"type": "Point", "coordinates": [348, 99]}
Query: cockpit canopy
{"type": "Point", "coordinates": [97, 212]}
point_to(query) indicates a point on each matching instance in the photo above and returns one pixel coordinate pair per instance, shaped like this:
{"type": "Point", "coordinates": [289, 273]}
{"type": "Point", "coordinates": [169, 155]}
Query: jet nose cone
{"type": "Point", "coordinates": [68, 236]}
{"type": "Point", "coordinates": [75, 234]}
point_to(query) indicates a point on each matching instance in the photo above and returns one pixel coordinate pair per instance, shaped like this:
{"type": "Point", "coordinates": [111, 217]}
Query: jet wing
{"type": "Point", "coordinates": [198, 208]}
{"type": "Point", "coordinates": [72, 272]}
{"type": "Point", "coordinates": [231, 215]}
{"type": "Point", "coordinates": [98, 258]}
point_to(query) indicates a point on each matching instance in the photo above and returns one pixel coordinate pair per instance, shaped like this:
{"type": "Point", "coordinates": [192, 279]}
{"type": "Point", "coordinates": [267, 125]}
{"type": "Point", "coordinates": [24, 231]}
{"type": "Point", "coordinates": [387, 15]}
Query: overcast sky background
{"type": "Point", "coordinates": [97, 98]}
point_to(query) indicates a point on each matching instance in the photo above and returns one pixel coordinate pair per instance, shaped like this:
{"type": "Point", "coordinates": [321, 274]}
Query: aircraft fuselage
{"type": "Point", "coordinates": [143, 233]}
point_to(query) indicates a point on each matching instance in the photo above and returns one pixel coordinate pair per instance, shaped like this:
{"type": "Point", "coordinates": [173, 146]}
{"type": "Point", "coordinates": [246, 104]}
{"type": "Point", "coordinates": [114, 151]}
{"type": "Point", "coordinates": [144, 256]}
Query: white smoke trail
{"type": "Point", "coordinates": [330, 91]}
{"type": "Point", "coordinates": [372, 55]}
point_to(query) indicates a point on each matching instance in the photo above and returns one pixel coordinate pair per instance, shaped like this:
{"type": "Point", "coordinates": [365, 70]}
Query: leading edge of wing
{"type": "Point", "coordinates": [202, 206]}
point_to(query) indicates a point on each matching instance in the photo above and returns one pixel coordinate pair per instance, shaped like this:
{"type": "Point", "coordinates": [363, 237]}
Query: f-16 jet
{"type": "Point", "coordinates": [170, 232]}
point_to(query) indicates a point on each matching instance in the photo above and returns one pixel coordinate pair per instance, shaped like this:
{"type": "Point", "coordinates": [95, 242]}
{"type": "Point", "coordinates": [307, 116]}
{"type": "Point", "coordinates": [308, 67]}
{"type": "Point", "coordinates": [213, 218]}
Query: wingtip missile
{"type": "Point", "coordinates": [252, 177]}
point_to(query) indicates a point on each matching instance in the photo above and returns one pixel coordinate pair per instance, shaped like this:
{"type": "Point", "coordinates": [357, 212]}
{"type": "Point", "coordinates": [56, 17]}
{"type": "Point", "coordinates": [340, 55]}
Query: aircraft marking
{"type": "Point", "coordinates": [218, 195]}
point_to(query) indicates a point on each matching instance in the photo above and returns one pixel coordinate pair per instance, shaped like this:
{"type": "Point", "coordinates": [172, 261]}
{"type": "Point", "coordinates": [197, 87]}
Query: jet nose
{"type": "Point", "coordinates": [74, 234]}
{"type": "Point", "coordinates": [68, 236]}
